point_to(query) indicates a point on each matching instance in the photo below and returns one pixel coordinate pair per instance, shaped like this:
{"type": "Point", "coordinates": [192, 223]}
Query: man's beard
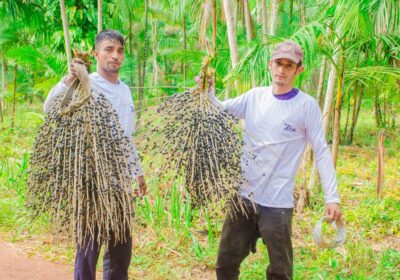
{"type": "Point", "coordinates": [115, 71]}
{"type": "Point", "coordinates": [112, 70]}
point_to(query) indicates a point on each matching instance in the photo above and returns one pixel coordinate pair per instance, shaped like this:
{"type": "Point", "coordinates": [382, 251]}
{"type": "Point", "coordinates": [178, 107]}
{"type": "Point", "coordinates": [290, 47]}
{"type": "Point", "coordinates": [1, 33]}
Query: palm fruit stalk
{"type": "Point", "coordinates": [198, 142]}
{"type": "Point", "coordinates": [81, 167]}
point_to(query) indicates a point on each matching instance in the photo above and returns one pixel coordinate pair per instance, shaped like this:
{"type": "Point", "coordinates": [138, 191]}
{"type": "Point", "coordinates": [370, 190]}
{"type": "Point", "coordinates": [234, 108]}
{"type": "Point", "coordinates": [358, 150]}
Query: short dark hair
{"type": "Point", "coordinates": [299, 64]}
{"type": "Point", "coordinates": [108, 34]}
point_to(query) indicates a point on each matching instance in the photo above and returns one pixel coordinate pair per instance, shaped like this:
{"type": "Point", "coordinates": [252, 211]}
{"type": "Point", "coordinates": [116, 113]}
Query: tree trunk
{"type": "Point", "coordinates": [385, 115]}
{"type": "Point", "coordinates": [381, 151]}
{"type": "Point", "coordinates": [236, 6]}
{"type": "Point", "coordinates": [66, 34]}
{"type": "Point", "coordinates": [214, 26]}
{"type": "Point", "coordinates": [1, 112]}
{"type": "Point", "coordinates": [354, 103]}
{"type": "Point", "coordinates": [320, 95]}
{"type": "Point", "coordinates": [145, 51]}
{"type": "Point", "coordinates": [299, 10]}
{"type": "Point", "coordinates": [207, 10]}
{"type": "Point", "coordinates": [394, 115]}
{"type": "Point", "coordinates": [264, 21]}
{"type": "Point", "coordinates": [249, 33]}
{"type": "Point", "coordinates": [248, 21]}
{"type": "Point", "coordinates": [3, 83]}
{"type": "Point", "coordinates": [14, 96]}
{"type": "Point", "coordinates": [214, 41]}
{"type": "Point", "coordinates": [377, 108]}
{"type": "Point", "coordinates": [338, 110]}
{"type": "Point", "coordinates": [184, 47]}
{"type": "Point", "coordinates": [232, 39]}
{"type": "Point", "coordinates": [231, 31]}
{"type": "Point", "coordinates": [273, 16]}
{"type": "Point", "coordinates": [332, 77]}
{"type": "Point", "coordinates": [346, 125]}
{"type": "Point", "coordinates": [329, 90]}
{"type": "Point", "coordinates": [301, 188]}
{"type": "Point", "coordinates": [155, 66]}
{"type": "Point", "coordinates": [241, 13]}
{"type": "Point", "coordinates": [328, 98]}
{"type": "Point", "coordinates": [99, 15]}
{"type": "Point", "coordinates": [131, 48]}
{"type": "Point", "coordinates": [259, 15]}
{"type": "Point", "coordinates": [139, 72]}
{"type": "Point", "coordinates": [356, 112]}
{"type": "Point", "coordinates": [302, 12]}
{"type": "Point", "coordinates": [336, 124]}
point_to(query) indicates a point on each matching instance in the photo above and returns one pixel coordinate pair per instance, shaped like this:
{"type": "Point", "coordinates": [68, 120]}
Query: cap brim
{"type": "Point", "coordinates": [288, 56]}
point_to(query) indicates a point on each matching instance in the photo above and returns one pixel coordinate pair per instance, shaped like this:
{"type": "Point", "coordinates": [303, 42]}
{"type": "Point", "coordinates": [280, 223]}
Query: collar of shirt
{"type": "Point", "coordinates": [288, 95]}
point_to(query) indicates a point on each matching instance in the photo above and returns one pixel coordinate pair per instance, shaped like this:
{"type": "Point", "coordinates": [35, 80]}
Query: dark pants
{"type": "Point", "coordinates": [239, 236]}
{"type": "Point", "coordinates": [117, 258]}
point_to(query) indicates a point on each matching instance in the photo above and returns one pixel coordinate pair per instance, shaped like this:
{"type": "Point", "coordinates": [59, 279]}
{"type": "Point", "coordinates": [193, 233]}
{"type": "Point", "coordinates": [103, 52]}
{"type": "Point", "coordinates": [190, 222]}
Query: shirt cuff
{"type": "Point", "coordinates": [336, 200]}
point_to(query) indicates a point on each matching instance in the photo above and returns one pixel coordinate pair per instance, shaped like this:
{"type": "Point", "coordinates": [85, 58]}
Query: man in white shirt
{"type": "Point", "coordinates": [109, 53]}
{"type": "Point", "coordinates": [279, 122]}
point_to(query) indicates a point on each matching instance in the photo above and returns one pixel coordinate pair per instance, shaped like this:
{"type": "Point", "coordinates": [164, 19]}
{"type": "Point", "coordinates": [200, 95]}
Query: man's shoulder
{"type": "Point", "coordinates": [125, 86]}
{"type": "Point", "coordinates": [308, 102]}
{"type": "Point", "coordinates": [307, 97]}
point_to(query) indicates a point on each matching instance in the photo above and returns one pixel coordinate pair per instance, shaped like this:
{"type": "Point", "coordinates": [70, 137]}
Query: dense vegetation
{"type": "Point", "coordinates": [352, 67]}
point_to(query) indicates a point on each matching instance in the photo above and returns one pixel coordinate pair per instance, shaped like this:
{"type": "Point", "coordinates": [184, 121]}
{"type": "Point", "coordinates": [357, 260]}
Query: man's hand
{"type": "Point", "coordinates": [333, 212]}
{"type": "Point", "coordinates": [72, 76]}
{"type": "Point", "coordinates": [142, 186]}
{"type": "Point", "coordinates": [210, 81]}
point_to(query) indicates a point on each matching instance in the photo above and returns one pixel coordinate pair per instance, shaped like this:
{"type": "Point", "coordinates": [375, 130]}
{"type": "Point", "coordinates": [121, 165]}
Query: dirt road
{"type": "Point", "coordinates": [15, 264]}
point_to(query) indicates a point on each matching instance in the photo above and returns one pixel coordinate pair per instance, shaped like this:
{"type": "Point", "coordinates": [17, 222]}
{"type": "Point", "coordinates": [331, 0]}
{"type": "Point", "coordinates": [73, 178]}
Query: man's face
{"type": "Point", "coordinates": [284, 71]}
{"type": "Point", "coordinates": [109, 55]}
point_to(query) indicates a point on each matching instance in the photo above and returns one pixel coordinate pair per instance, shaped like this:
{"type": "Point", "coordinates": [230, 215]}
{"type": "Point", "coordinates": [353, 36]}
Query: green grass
{"type": "Point", "coordinates": [174, 241]}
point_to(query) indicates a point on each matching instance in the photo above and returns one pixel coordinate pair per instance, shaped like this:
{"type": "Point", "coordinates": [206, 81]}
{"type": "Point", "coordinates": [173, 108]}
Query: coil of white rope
{"type": "Point", "coordinates": [334, 242]}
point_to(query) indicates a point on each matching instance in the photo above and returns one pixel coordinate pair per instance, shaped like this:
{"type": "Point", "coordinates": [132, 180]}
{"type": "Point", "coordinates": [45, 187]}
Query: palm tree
{"type": "Point", "coordinates": [214, 27]}
{"type": "Point", "coordinates": [232, 39]}
{"type": "Point", "coordinates": [3, 82]}
{"type": "Point", "coordinates": [273, 16]}
{"type": "Point", "coordinates": [66, 33]}
{"type": "Point", "coordinates": [231, 31]}
{"type": "Point", "coordinates": [264, 20]}
{"type": "Point", "coordinates": [145, 52]}
{"type": "Point", "coordinates": [99, 15]}
{"type": "Point", "coordinates": [248, 21]}
{"type": "Point", "coordinates": [155, 51]}
{"type": "Point", "coordinates": [331, 83]}
{"type": "Point", "coordinates": [14, 96]}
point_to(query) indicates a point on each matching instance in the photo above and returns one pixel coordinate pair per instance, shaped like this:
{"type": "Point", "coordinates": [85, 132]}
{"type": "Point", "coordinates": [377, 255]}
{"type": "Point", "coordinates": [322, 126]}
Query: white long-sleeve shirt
{"type": "Point", "coordinates": [120, 97]}
{"type": "Point", "coordinates": [276, 134]}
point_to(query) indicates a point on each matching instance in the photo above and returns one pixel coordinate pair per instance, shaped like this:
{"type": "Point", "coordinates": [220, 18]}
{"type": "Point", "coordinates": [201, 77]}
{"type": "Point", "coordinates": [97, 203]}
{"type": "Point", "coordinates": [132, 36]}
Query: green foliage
{"type": "Point", "coordinates": [13, 187]}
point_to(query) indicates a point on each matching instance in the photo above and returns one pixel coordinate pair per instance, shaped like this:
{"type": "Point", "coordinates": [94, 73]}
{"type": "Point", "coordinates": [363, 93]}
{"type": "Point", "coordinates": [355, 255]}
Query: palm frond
{"type": "Point", "coordinates": [386, 15]}
{"type": "Point", "coordinates": [372, 74]}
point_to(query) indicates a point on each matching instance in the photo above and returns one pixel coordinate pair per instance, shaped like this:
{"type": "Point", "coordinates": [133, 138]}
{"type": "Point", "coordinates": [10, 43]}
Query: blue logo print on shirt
{"type": "Point", "coordinates": [289, 128]}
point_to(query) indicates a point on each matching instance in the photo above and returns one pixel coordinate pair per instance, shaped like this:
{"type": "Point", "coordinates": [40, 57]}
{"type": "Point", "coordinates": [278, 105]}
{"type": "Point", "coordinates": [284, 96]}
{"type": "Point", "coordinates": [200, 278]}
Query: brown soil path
{"type": "Point", "coordinates": [15, 264]}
